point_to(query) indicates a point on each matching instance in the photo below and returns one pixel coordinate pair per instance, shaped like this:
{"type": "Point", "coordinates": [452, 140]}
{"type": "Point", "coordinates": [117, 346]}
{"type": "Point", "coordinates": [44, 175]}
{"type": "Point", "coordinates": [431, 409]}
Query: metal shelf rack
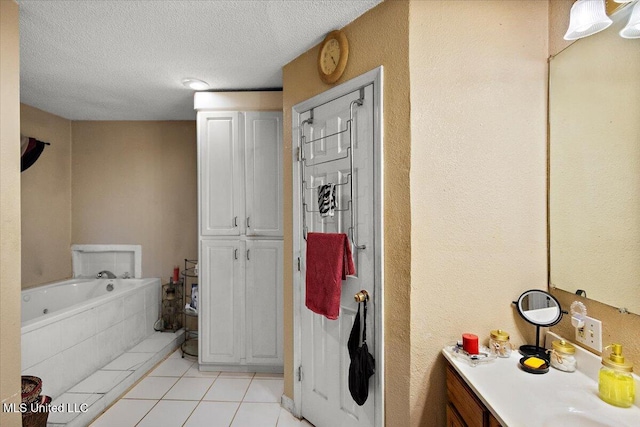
{"type": "Point", "coordinates": [189, 277]}
{"type": "Point", "coordinates": [352, 230]}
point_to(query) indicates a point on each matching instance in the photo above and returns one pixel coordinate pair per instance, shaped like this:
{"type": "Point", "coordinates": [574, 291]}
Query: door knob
{"type": "Point", "coordinates": [361, 296]}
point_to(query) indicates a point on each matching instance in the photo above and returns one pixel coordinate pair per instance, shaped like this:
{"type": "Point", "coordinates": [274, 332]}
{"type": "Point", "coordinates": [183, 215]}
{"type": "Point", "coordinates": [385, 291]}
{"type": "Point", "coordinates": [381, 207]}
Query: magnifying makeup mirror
{"type": "Point", "coordinates": [541, 309]}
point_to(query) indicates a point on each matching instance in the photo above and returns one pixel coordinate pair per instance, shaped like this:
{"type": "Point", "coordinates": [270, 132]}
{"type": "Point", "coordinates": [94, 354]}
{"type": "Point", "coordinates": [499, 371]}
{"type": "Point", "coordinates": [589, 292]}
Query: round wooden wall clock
{"type": "Point", "coordinates": [333, 55]}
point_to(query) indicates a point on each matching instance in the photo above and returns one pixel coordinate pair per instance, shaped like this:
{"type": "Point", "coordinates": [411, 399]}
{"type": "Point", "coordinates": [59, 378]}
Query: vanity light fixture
{"type": "Point", "coordinates": [587, 17]}
{"type": "Point", "coordinates": [632, 29]}
{"type": "Point", "coordinates": [195, 84]}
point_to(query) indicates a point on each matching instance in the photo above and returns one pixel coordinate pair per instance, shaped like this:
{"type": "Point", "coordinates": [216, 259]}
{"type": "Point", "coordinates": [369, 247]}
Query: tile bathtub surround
{"type": "Point", "coordinates": [177, 394]}
{"type": "Point", "coordinates": [68, 350]}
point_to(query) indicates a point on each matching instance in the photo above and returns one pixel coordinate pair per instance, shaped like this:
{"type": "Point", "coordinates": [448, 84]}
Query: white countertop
{"type": "Point", "coordinates": [520, 399]}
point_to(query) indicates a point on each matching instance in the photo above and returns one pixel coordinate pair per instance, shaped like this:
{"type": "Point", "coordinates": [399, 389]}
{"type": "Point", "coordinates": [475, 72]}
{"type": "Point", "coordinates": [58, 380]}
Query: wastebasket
{"type": "Point", "coordinates": [36, 405]}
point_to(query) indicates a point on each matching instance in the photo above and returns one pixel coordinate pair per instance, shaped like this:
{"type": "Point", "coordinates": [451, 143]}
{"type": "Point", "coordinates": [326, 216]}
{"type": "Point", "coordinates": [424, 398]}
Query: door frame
{"type": "Point", "coordinates": [374, 77]}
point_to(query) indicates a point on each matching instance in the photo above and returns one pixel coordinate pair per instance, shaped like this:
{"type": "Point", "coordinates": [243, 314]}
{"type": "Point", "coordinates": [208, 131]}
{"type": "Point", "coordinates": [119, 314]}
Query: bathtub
{"type": "Point", "coordinates": [72, 328]}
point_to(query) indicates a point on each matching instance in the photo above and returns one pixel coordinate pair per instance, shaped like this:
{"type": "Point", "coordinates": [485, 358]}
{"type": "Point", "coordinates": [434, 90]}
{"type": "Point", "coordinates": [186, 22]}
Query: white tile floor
{"type": "Point", "coordinates": [176, 394]}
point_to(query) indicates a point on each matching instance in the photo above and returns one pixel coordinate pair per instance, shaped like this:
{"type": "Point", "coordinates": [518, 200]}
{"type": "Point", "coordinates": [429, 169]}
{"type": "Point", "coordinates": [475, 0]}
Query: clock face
{"type": "Point", "coordinates": [330, 56]}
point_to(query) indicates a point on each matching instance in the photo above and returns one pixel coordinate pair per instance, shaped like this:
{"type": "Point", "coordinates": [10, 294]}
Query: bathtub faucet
{"type": "Point", "coordinates": [109, 274]}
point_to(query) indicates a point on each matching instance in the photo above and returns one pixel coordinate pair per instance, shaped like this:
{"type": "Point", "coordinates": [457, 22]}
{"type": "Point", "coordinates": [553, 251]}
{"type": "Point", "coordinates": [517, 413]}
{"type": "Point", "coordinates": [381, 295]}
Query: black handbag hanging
{"type": "Point", "coordinates": [362, 365]}
{"type": "Point", "coordinates": [31, 149]}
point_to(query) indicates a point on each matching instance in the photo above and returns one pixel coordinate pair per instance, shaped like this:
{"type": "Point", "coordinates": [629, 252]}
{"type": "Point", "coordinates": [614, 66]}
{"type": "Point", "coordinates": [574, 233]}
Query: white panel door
{"type": "Point", "coordinates": [326, 401]}
{"type": "Point", "coordinates": [221, 324]}
{"type": "Point", "coordinates": [263, 173]}
{"type": "Point", "coordinates": [264, 302]}
{"type": "Point", "coordinates": [220, 174]}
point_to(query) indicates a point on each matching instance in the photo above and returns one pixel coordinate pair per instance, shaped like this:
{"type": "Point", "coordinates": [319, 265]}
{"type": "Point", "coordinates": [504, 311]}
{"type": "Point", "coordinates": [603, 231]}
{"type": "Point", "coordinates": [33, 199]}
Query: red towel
{"type": "Point", "coordinates": [329, 262]}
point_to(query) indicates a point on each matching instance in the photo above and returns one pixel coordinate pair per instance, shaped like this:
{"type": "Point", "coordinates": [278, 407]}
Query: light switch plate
{"type": "Point", "coordinates": [591, 335]}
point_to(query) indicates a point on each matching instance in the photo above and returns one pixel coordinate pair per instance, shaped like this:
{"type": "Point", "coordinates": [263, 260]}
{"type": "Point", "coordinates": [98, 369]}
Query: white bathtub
{"type": "Point", "coordinates": [74, 327]}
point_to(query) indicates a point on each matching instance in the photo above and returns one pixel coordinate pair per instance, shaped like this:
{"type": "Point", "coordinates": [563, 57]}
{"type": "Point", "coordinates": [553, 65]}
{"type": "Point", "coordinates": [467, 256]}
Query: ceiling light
{"type": "Point", "coordinates": [587, 17]}
{"type": "Point", "coordinates": [632, 29]}
{"type": "Point", "coordinates": [195, 84]}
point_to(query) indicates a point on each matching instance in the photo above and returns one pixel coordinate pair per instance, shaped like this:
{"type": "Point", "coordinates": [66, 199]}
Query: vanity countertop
{"type": "Point", "coordinates": [520, 399]}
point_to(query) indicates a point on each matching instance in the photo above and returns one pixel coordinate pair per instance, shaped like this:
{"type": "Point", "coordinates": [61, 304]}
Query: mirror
{"type": "Point", "coordinates": [594, 161]}
{"type": "Point", "coordinates": [539, 308]}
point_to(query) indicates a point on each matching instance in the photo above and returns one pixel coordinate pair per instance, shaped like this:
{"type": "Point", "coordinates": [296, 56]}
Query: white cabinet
{"type": "Point", "coordinates": [263, 301]}
{"type": "Point", "coordinates": [241, 248]}
{"type": "Point", "coordinates": [241, 304]}
{"type": "Point", "coordinates": [240, 173]}
{"type": "Point", "coordinates": [263, 173]}
{"type": "Point", "coordinates": [220, 174]}
{"type": "Point", "coordinates": [221, 301]}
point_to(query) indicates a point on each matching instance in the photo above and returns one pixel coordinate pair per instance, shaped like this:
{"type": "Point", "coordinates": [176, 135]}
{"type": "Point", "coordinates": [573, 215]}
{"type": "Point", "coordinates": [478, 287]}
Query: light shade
{"type": "Point", "coordinates": [622, 1]}
{"type": "Point", "coordinates": [632, 29]}
{"type": "Point", "coordinates": [587, 17]}
{"type": "Point", "coordinates": [195, 84]}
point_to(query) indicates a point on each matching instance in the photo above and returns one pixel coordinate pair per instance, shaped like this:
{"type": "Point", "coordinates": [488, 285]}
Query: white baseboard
{"type": "Point", "coordinates": [288, 404]}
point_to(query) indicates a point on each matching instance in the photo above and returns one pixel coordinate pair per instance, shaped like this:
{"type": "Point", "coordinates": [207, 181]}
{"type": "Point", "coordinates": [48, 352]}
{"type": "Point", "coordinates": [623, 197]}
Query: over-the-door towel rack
{"type": "Point", "coordinates": [352, 231]}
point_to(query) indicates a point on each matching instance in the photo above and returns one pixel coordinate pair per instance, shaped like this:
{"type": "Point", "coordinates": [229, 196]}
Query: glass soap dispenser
{"type": "Point", "coordinates": [616, 385]}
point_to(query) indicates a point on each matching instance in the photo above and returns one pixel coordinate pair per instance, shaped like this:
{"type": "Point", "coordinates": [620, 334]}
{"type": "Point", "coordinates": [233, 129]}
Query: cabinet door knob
{"type": "Point", "coordinates": [248, 224]}
{"type": "Point", "coordinates": [235, 254]}
{"type": "Point", "coordinates": [235, 221]}
{"type": "Point", "coordinates": [247, 254]}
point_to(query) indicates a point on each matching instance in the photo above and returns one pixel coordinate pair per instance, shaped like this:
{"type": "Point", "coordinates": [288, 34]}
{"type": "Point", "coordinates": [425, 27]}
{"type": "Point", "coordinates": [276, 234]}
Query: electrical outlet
{"type": "Point", "coordinates": [591, 334]}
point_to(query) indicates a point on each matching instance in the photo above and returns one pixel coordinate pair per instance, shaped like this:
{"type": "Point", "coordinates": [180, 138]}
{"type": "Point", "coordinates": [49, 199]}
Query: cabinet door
{"type": "Point", "coordinates": [493, 422]}
{"type": "Point", "coordinates": [453, 419]}
{"type": "Point", "coordinates": [220, 176]}
{"type": "Point", "coordinates": [469, 407]}
{"type": "Point", "coordinates": [263, 173]}
{"type": "Point", "coordinates": [222, 301]}
{"type": "Point", "coordinates": [264, 302]}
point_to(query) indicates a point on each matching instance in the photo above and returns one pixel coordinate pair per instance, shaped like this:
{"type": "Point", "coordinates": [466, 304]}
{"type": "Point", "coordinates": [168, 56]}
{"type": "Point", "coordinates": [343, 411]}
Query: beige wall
{"type": "Point", "coordinates": [558, 24]}
{"type": "Point", "coordinates": [238, 101]}
{"type": "Point", "coordinates": [477, 158]}
{"type": "Point", "coordinates": [379, 37]}
{"type": "Point", "coordinates": [9, 212]}
{"type": "Point", "coordinates": [478, 174]}
{"type": "Point", "coordinates": [135, 183]}
{"type": "Point", "coordinates": [108, 182]}
{"type": "Point", "coordinates": [616, 326]}
{"type": "Point", "coordinates": [46, 200]}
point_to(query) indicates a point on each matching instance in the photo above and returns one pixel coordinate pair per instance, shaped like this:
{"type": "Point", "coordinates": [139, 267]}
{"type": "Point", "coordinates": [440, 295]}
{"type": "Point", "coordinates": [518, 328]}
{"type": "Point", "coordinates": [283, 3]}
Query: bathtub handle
{"type": "Point", "coordinates": [235, 254]}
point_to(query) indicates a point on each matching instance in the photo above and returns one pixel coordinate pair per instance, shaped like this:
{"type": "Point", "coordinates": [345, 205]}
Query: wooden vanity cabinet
{"type": "Point", "coordinates": [464, 409]}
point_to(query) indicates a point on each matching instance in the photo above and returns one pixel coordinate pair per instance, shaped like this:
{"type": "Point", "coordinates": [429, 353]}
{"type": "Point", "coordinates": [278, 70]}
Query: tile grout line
{"type": "Point", "coordinates": [156, 404]}
{"type": "Point", "coordinates": [205, 393]}
{"type": "Point", "coordinates": [121, 397]}
{"type": "Point", "coordinates": [235, 414]}
{"type": "Point", "coordinates": [158, 401]}
{"type": "Point", "coordinates": [221, 401]}
{"type": "Point", "coordinates": [199, 401]}
{"type": "Point", "coordinates": [147, 413]}
{"type": "Point", "coordinates": [191, 413]}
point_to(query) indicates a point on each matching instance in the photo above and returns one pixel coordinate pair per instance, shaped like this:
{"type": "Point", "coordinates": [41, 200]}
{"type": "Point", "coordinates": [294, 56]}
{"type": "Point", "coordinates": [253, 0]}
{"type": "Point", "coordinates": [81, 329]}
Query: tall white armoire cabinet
{"type": "Point", "coordinates": [240, 221]}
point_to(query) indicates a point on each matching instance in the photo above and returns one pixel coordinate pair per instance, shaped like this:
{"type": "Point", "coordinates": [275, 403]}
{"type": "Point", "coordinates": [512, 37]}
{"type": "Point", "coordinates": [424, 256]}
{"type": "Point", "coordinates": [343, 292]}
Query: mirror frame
{"type": "Point", "coordinates": [518, 305]}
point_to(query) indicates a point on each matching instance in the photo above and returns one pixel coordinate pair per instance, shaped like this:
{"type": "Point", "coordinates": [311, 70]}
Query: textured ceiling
{"type": "Point", "coordinates": [124, 60]}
